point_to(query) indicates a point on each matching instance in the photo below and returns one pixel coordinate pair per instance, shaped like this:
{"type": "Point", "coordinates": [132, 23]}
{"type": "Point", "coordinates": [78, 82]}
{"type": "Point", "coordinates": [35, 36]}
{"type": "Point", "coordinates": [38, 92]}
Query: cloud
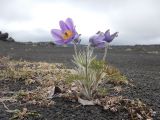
{"type": "Point", "coordinates": [15, 10]}
{"type": "Point", "coordinates": [32, 36]}
{"type": "Point", "coordinates": [139, 22]}
{"type": "Point", "coordinates": [136, 21]}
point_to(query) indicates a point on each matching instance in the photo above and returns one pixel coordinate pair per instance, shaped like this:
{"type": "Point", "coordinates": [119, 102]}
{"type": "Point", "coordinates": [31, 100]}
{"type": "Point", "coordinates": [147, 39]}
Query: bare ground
{"type": "Point", "coordinates": [141, 64]}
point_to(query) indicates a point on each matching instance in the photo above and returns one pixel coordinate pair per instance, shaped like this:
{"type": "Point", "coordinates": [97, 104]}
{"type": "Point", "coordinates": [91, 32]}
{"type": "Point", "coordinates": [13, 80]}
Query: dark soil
{"type": "Point", "coordinates": [11, 85]}
{"type": "Point", "coordinates": [67, 110]}
{"type": "Point", "coordinates": [141, 64]}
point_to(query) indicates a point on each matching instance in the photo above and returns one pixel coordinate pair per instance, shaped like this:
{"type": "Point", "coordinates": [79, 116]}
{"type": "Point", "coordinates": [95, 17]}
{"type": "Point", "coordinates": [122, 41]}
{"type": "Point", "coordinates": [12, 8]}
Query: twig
{"type": "Point", "coordinates": [5, 106]}
{"type": "Point", "coordinates": [7, 92]}
{"type": "Point", "coordinates": [7, 99]}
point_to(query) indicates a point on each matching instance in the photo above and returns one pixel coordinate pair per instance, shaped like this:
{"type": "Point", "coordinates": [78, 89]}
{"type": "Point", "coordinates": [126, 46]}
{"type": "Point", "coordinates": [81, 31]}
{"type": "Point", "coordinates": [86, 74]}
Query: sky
{"type": "Point", "coordinates": [137, 21]}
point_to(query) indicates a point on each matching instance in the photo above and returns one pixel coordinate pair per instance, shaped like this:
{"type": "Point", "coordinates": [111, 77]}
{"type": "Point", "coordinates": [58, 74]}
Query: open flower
{"type": "Point", "coordinates": [97, 40]}
{"type": "Point", "coordinates": [102, 40]}
{"type": "Point", "coordinates": [67, 33]}
{"type": "Point", "coordinates": [108, 37]}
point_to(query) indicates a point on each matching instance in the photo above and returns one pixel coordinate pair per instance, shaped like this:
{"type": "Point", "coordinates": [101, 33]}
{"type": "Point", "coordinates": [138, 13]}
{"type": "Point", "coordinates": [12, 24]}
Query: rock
{"type": "Point", "coordinates": [4, 36]}
{"type": "Point", "coordinates": [10, 39]}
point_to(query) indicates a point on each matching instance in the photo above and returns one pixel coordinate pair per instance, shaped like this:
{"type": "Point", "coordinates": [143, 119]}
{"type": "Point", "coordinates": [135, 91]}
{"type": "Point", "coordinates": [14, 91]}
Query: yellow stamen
{"type": "Point", "coordinates": [67, 34]}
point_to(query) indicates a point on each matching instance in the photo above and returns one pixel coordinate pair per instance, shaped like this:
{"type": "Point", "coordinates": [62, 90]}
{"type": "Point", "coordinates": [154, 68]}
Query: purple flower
{"type": "Point", "coordinates": [108, 37]}
{"type": "Point", "coordinates": [97, 40]}
{"type": "Point", "coordinates": [67, 33]}
{"type": "Point", "coordinates": [100, 39]}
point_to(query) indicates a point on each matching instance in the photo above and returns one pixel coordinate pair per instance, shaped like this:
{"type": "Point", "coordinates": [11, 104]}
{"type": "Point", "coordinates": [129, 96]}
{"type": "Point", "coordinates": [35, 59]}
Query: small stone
{"type": "Point", "coordinates": [57, 90]}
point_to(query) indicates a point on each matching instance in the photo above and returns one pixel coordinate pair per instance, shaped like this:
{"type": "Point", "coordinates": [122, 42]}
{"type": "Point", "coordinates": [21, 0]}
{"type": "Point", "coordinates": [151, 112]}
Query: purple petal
{"type": "Point", "coordinates": [57, 34]}
{"type": "Point", "coordinates": [63, 26]}
{"type": "Point", "coordinates": [114, 35]}
{"type": "Point", "coordinates": [69, 23]}
{"type": "Point", "coordinates": [107, 35]}
{"type": "Point", "coordinates": [91, 40]}
{"type": "Point", "coordinates": [101, 45]}
{"type": "Point", "coordinates": [68, 41]}
{"type": "Point", "coordinates": [77, 39]}
{"type": "Point", "coordinates": [97, 40]}
{"type": "Point", "coordinates": [59, 42]}
{"type": "Point", "coordinates": [76, 36]}
{"type": "Point", "coordinates": [66, 26]}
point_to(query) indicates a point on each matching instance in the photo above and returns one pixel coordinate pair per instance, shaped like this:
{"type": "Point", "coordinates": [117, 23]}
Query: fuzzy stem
{"type": "Point", "coordinates": [75, 48]}
{"type": "Point", "coordinates": [105, 52]}
{"type": "Point", "coordinates": [87, 85]}
{"type": "Point", "coordinates": [87, 63]}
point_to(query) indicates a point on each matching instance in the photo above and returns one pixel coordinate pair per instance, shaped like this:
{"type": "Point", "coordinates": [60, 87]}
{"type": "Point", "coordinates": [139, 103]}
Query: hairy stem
{"type": "Point", "coordinates": [87, 63]}
{"type": "Point", "coordinates": [87, 79]}
{"type": "Point", "coordinates": [105, 52]}
{"type": "Point", "coordinates": [75, 48]}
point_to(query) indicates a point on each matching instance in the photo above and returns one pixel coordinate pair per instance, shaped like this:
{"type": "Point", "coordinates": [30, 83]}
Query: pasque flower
{"type": "Point", "coordinates": [108, 37]}
{"type": "Point", "coordinates": [97, 40]}
{"type": "Point", "coordinates": [89, 71]}
{"type": "Point", "coordinates": [100, 39]}
{"type": "Point", "coordinates": [66, 34]}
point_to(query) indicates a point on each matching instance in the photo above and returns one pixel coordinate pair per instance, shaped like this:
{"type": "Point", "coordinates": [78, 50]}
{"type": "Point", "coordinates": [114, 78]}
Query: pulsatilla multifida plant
{"type": "Point", "coordinates": [89, 71]}
{"type": "Point", "coordinates": [87, 77]}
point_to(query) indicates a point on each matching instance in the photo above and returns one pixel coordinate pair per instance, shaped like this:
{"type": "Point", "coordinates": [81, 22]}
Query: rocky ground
{"type": "Point", "coordinates": [139, 63]}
